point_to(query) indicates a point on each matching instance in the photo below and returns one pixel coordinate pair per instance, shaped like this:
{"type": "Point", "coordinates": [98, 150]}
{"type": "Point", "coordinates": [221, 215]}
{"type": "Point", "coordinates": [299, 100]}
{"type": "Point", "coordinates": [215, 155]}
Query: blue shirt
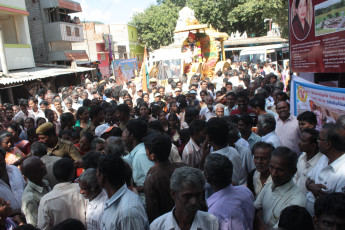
{"type": "Point", "coordinates": [123, 211]}
{"type": "Point", "coordinates": [137, 158]}
{"type": "Point", "coordinates": [234, 207]}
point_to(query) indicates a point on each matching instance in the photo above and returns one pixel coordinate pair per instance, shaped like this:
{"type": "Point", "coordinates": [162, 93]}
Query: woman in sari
{"type": "Point", "coordinates": [13, 154]}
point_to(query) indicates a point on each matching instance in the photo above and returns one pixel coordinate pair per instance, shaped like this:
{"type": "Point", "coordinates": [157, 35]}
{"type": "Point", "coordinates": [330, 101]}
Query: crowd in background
{"type": "Point", "coordinates": [217, 153]}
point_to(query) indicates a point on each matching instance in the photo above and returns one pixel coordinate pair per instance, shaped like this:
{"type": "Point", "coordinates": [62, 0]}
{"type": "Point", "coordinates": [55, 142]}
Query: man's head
{"type": "Point", "coordinates": [122, 113]}
{"type": "Point", "coordinates": [295, 217]}
{"type": "Point", "coordinates": [96, 114]}
{"type": "Point", "coordinates": [283, 110]}
{"type": "Point", "coordinates": [158, 146]}
{"type": "Point", "coordinates": [115, 146]}
{"type": "Point", "coordinates": [219, 110]}
{"type": "Point", "coordinates": [88, 184]}
{"type": "Point", "coordinates": [331, 139]}
{"type": "Point", "coordinates": [98, 144]}
{"type": "Point", "coordinates": [58, 105]}
{"type": "Point", "coordinates": [23, 104]}
{"type": "Point", "coordinates": [266, 124]}
{"type": "Point", "coordinates": [38, 149]}
{"type": "Point", "coordinates": [245, 124]}
{"type": "Point", "coordinates": [197, 131]}
{"type": "Point", "coordinates": [306, 120]}
{"type": "Point", "coordinates": [231, 99]}
{"type": "Point", "coordinates": [134, 133]}
{"type": "Point", "coordinates": [111, 171]}
{"type": "Point", "coordinates": [46, 134]}
{"type": "Point", "coordinates": [34, 169]}
{"type": "Point", "coordinates": [186, 184]}
{"type": "Point", "coordinates": [242, 100]}
{"type": "Point", "coordinates": [283, 165]}
{"type": "Point", "coordinates": [203, 85]}
{"type": "Point", "coordinates": [218, 171]}
{"type": "Point", "coordinates": [308, 142]}
{"type": "Point", "coordinates": [33, 103]}
{"type": "Point", "coordinates": [329, 212]}
{"type": "Point", "coordinates": [64, 171]}
{"type": "Point", "coordinates": [217, 131]}
{"type": "Point", "coordinates": [258, 104]}
{"type": "Point", "coordinates": [9, 113]}
{"type": "Point", "coordinates": [262, 156]}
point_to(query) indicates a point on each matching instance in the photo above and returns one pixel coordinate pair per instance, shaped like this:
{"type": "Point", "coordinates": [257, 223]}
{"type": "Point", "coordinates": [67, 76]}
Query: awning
{"type": "Point", "coordinates": [77, 56]}
{"type": "Point", "coordinates": [75, 6]}
{"type": "Point", "coordinates": [39, 73]}
{"type": "Point", "coordinates": [6, 8]}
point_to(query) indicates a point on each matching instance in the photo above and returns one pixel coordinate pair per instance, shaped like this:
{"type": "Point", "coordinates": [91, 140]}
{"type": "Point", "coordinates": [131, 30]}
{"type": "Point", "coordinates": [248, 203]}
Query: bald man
{"type": "Point", "coordinates": [34, 170]}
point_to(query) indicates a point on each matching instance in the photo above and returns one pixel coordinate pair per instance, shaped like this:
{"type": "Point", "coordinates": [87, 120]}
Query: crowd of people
{"type": "Point", "coordinates": [215, 153]}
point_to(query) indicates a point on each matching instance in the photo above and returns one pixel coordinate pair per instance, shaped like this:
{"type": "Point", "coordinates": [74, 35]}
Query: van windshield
{"type": "Point", "coordinates": [252, 58]}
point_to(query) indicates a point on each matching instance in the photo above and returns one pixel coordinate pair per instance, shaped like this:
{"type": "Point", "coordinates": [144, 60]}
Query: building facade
{"type": "Point", "coordinates": [15, 34]}
{"type": "Point", "coordinates": [54, 29]}
{"type": "Point", "coordinates": [105, 43]}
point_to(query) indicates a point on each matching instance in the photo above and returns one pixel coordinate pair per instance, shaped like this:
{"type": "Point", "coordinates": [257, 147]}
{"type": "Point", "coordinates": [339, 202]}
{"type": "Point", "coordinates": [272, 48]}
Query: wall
{"type": "Point", "coordinates": [13, 3]}
{"type": "Point", "coordinates": [8, 25]}
{"type": "Point", "coordinates": [35, 21]}
{"type": "Point", "coordinates": [59, 46]}
{"type": "Point", "coordinates": [19, 56]}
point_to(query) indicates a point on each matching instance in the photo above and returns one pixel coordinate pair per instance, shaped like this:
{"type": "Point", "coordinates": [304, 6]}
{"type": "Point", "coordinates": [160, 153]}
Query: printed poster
{"type": "Point", "coordinates": [327, 103]}
{"type": "Point", "coordinates": [317, 36]}
{"type": "Point", "coordinates": [125, 70]}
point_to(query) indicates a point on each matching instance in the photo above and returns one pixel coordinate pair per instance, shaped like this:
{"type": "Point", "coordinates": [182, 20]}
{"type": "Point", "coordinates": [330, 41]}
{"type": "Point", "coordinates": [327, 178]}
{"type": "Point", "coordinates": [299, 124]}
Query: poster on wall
{"type": "Point", "coordinates": [317, 36]}
{"type": "Point", "coordinates": [125, 70]}
{"type": "Point", "coordinates": [327, 103]}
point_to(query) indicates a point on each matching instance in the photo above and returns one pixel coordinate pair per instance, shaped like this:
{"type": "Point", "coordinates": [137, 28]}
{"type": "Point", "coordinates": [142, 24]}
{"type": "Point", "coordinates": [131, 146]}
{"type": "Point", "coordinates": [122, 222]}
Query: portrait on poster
{"type": "Point", "coordinates": [302, 17]}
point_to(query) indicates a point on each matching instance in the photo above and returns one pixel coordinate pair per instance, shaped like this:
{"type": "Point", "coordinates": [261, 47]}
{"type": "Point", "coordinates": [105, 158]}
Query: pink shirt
{"type": "Point", "coordinates": [288, 132]}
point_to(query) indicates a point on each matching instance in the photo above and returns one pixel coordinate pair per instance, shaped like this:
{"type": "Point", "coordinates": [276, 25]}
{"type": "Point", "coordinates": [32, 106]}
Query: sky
{"type": "Point", "coordinates": [111, 11]}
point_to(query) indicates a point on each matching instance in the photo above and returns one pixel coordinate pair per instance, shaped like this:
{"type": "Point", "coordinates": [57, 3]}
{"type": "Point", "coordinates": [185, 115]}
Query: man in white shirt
{"type": "Point", "coordinates": [24, 112]}
{"type": "Point", "coordinates": [218, 81]}
{"type": "Point", "coordinates": [287, 127]}
{"type": "Point", "coordinates": [207, 113]}
{"type": "Point", "coordinates": [266, 127]}
{"type": "Point", "coordinates": [281, 192]}
{"type": "Point", "coordinates": [96, 198]}
{"type": "Point", "coordinates": [309, 158]}
{"type": "Point", "coordinates": [186, 186]}
{"type": "Point", "coordinates": [124, 209]}
{"type": "Point", "coordinates": [328, 174]}
{"type": "Point", "coordinates": [64, 201]}
{"type": "Point", "coordinates": [33, 105]}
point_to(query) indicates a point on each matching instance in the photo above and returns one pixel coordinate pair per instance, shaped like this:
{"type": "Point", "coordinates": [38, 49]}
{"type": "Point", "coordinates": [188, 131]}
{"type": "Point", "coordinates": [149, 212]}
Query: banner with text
{"type": "Point", "coordinates": [326, 102]}
{"type": "Point", "coordinates": [317, 36]}
{"type": "Point", "coordinates": [125, 70]}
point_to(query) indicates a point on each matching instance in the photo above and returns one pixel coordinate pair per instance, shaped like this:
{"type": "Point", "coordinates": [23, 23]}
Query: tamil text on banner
{"type": "Point", "coordinates": [327, 103]}
{"type": "Point", "coordinates": [125, 70]}
{"type": "Point", "coordinates": [317, 36]}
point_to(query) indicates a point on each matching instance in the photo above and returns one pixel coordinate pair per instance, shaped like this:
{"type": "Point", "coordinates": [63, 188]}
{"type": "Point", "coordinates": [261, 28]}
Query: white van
{"type": "Point", "coordinates": [277, 54]}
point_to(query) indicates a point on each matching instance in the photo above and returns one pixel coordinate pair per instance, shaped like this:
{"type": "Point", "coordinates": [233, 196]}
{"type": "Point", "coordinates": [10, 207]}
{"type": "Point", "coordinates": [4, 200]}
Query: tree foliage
{"type": "Point", "coordinates": [242, 15]}
{"type": "Point", "coordinates": [156, 24]}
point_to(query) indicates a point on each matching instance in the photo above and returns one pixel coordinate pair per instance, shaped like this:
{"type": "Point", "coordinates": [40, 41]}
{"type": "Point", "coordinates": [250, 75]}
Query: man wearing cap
{"type": "Point", "coordinates": [103, 131]}
{"type": "Point", "coordinates": [158, 97]}
{"type": "Point", "coordinates": [56, 146]}
{"type": "Point", "coordinates": [192, 101]}
{"type": "Point", "coordinates": [177, 91]}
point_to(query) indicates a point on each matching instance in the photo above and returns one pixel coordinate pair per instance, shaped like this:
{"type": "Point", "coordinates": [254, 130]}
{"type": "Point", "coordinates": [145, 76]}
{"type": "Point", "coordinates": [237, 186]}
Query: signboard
{"type": "Point", "coordinates": [317, 36]}
{"type": "Point", "coordinates": [327, 103]}
{"type": "Point", "coordinates": [125, 70]}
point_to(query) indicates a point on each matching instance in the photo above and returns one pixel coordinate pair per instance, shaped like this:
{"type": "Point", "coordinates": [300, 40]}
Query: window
{"type": "Point", "coordinates": [68, 31]}
{"type": "Point", "coordinates": [76, 30]}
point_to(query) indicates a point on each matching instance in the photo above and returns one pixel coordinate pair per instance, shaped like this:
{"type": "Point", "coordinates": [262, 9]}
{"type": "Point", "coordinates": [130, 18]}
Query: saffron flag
{"type": "Point", "coordinates": [145, 75]}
